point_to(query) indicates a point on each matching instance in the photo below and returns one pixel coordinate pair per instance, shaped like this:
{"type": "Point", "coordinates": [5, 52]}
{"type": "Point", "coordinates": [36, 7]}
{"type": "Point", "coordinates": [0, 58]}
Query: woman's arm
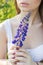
{"type": "Point", "coordinates": [2, 42]}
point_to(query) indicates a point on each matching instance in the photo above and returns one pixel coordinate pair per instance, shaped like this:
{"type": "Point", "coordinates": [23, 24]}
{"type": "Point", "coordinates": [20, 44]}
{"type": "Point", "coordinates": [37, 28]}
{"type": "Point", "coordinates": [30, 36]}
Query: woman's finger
{"type": "Point", "coordinates": [13, 47]}
{"type": "Point", "coordinates": [21, 54]}
{"type": "Point", "coordinates": [11, 56]}
{"type": "Point", "coordinates": [12, 52]}
{"type": "Point", "coordinates": [21, 63]}
{"type": "Point", "coordinates": [20, 59]}
{"type": "Point", "coordinates": [22, 50]}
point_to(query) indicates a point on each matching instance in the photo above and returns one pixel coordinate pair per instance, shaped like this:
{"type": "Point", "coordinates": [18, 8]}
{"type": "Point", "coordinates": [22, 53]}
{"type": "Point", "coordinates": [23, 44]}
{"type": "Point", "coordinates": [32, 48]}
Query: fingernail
{"type": "Point", "coordinates": [15, 62]}
{"type": "Point", "coordinates": [14, 53]}
{"type": "Point", "coordinates": [13, 58]}
{"type": "Point", "coordinates": [17, 48]}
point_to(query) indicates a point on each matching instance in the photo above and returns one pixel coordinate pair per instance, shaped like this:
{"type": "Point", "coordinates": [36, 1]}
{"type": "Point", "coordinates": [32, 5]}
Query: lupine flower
{"type": "Point", "coordinates": [21, 31]}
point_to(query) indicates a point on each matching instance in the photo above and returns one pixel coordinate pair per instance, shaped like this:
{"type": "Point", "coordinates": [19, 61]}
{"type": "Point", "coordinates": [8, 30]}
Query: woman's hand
{"type": "Point", "coordinates": [18, 56]}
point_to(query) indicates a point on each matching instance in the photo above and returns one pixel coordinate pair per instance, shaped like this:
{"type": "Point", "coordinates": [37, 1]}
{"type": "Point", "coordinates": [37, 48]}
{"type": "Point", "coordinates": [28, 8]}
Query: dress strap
{"type": "Point", "coordinates": [8, 32]}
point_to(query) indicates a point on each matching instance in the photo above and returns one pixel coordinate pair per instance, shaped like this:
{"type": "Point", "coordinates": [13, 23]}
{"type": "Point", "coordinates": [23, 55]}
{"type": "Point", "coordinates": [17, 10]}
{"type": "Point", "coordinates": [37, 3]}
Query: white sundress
{"type": "Point", "coordinates": [8, 33]}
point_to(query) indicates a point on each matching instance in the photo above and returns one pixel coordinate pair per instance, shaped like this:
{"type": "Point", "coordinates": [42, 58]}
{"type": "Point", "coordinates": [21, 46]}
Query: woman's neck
{"type": "Point", "coordinates": [23, 13]}
{"type": "Point", "coordinates": [33, 16]}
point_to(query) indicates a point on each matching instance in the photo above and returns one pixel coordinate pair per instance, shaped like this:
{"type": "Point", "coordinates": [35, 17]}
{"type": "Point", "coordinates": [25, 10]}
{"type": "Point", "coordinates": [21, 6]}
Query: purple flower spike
{"type": "Point", "coordinates": [21, 44]}
{"type": "Point", "coordinates": [14, 41]}
{"type": "Point", "coordinates": [26, 27]}
{"type": "Point", "coordinates": [21, 31]}
{"type": "Point", "coordinates": [16, 36]}
{"type": "Point", "coordinates": [20, 25]}
{"type": "Point", "coordinates": [23, 38]}
{"type": "Point", "coordinates": [27, 24]}
{"type": "Point", "coordinates": [28, 15]}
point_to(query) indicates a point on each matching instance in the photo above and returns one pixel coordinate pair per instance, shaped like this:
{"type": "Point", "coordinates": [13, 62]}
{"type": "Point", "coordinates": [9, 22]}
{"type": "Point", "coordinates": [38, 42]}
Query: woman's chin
{"type": "Point", "coordinates": [28, 9]}
{"type": "Point", "coordinates": [25, 9]}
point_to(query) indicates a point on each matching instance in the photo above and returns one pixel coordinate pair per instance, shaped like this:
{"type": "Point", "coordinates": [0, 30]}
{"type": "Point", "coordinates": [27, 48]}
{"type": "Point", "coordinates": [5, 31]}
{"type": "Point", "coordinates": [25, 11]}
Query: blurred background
{"type": "Point", "coordinates": [7, 9]}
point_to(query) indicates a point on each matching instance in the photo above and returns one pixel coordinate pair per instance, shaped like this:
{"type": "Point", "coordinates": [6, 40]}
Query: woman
{"type": "Point", "coordinates": [33, 43]}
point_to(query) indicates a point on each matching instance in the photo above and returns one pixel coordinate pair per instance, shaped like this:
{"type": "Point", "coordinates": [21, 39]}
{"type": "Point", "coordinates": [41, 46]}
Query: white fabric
{"type": "Point", "coordinates": [36, 53]}
{"type": "Point", "coordinates": [9, 33]}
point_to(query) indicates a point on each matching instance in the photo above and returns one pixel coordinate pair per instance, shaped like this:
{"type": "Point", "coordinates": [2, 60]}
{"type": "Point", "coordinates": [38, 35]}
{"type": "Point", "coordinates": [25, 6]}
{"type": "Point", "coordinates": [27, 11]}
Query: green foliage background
{"type": "Point", "coordinates": [7, 9]}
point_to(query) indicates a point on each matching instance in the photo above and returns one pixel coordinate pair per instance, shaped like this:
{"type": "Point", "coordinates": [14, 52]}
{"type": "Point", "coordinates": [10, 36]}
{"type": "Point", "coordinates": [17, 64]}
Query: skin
{"type": "Point", "coordinates": [30, 5]}
{"type": "Point", "coordinates": [34, 35]}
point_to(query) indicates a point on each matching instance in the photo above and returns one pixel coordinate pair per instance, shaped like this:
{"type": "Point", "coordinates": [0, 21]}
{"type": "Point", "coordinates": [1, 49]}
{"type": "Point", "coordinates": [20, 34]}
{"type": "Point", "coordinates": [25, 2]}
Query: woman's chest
{"type": "Point", "coordinates": [33, 38]}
